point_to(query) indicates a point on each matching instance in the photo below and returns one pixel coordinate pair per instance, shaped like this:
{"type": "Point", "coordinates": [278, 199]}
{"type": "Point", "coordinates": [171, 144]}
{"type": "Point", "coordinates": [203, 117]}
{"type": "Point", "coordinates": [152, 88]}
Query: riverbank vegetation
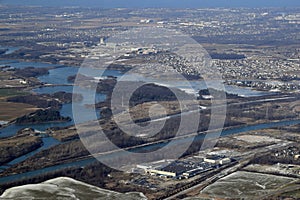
{"type": "Point", "coordinates": [14, 147]}
{"type": "Point", "coordinates": [41, 116]}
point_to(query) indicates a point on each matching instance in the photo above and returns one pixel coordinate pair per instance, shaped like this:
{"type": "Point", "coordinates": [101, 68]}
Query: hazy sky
{"type": "Point", "coordinates": [158, 3]}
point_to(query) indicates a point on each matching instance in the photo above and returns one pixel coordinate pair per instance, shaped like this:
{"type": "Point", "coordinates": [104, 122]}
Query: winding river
{"type": "Point", "coordinates": [58, 76]}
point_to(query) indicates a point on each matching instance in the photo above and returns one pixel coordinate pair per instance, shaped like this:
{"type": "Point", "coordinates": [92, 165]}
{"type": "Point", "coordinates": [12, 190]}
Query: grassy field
{"type": "Point", "coordinates": [8, 92]}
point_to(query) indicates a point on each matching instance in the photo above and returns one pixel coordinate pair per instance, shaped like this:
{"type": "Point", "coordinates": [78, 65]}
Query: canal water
{"type": "Point", "coordinates": [91, 160]}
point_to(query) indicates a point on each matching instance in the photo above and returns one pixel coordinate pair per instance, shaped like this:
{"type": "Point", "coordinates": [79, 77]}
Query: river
{"type": "Point", "coordinates": [59, 76]}
{"type": "Point", "coordinates": [47, 143]}
{"type": "Point", "coordinates": [9, 50]}
{"type": "Point", "coordinates": [90, 160]}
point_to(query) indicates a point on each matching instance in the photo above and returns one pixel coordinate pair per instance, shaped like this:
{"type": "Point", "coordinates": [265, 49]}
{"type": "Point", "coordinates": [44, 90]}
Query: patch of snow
{"type": "Point", "coordinates": [65, 188]}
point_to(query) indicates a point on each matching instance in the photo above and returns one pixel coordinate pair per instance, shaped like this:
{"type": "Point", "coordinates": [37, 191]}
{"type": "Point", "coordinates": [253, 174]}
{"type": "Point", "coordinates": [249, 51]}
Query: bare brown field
{"type": "Point", "coordinates": [10, 111]}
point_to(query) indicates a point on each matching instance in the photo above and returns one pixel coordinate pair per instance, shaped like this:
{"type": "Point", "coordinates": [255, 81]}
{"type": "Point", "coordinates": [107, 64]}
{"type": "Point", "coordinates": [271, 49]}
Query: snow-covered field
{"type": "Point", "coordinates": [64, 188]}
{"type": "Point", "coordinates": [247, 185]}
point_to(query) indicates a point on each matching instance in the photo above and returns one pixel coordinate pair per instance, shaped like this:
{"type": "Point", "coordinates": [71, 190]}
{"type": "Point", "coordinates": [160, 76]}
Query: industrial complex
{"type": "Point", "coordinates": [184, 168]}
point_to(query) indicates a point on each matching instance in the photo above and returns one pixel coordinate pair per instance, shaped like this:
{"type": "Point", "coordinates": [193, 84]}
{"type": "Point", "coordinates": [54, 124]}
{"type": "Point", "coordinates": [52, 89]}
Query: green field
{"type": "Point", "coordinates": [8, 92]}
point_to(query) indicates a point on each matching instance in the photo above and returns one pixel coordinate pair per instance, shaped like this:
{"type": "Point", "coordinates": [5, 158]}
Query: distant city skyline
{"type": "Point", "coordinates": [156, 3]}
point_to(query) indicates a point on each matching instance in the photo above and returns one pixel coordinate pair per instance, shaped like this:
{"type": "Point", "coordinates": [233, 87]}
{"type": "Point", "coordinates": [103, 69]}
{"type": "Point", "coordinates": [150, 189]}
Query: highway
{"type": "Point", "coordinates": [224, 105]}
